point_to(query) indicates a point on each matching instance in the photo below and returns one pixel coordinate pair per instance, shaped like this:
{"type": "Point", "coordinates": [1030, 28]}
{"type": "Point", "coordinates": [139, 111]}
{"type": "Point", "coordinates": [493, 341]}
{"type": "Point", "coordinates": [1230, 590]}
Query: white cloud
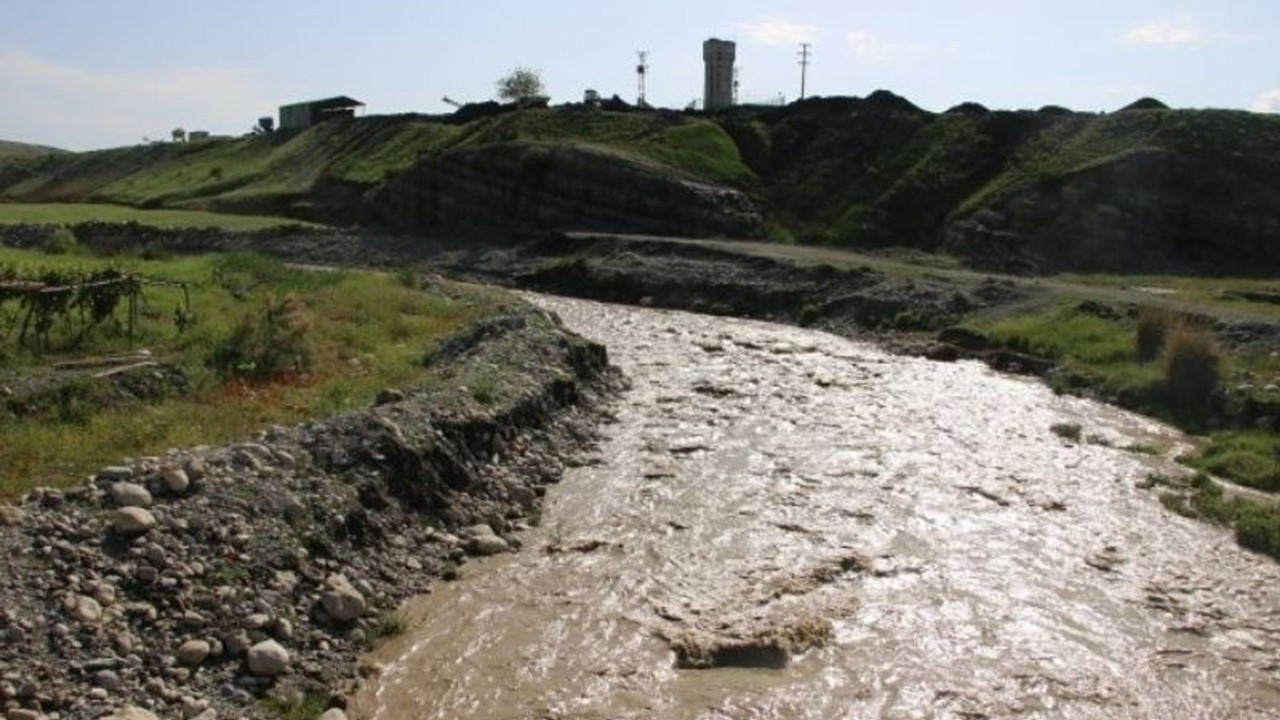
{"type": "Point", "coordinates": [1268, 102]}
{"type": "Point", "coordinates": [73, 107]}
{"type": "Point", "coordinates": [871, 48]}
{"type": "Point", "coordinates": [1179, 31]}
{"type": "Point", "coordinates": [777, 30]}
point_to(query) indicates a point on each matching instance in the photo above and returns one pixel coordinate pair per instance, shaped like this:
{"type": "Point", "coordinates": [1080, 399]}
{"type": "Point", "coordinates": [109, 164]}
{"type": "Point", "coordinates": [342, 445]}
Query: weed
{"type": "Point", "coordinates": [59, 241]}
{"type": "Point", "coordinates": [1142, 449]}
{"type": "Point", "coordinates": [1258, 528]}
{"type": "Point", "coordinates": [408, 277]}
{"type": "Point", "coordinates": [267, 345]}
{"type": "Point", "coordinates": [296, 706]}
{"type": "Point", "coordinates": [1153, 325]}
{"type": "Point", "coordinates": [1192, 371]}
{"type": "Point", "coordinates": [386, 625]}
{"type": "Point", "coordinates": [1066, 431]}
{"type": "Point", "coordinates": [1249, 457]}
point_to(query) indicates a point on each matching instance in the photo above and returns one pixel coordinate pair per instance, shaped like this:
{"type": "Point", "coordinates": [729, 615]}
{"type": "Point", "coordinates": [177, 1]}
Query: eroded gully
{"type": "Point", "coordinates": [958, 558]}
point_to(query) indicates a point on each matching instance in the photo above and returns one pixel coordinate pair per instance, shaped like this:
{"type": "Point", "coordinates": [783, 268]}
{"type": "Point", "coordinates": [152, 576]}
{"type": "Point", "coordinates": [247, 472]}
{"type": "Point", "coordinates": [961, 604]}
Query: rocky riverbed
{"type": "Point", "coordinates": [207, 581]}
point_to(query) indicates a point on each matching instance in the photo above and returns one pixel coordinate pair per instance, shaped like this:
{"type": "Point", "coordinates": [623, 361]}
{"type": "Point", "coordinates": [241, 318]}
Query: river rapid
{"type": "Point", "coordinates": [922, 542]}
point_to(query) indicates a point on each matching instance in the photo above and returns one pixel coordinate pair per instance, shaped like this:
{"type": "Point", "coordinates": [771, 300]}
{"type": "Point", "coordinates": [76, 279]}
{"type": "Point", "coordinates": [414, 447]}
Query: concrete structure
{"type": "Point", "coordinates": [305, 114]}
{"type": "Point", "coordinates": [718, 87]}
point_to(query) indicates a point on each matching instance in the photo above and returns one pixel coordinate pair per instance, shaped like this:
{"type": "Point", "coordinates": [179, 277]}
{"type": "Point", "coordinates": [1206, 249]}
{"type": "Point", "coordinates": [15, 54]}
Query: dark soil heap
{"type": "Point", "coordinates": [194, 584]}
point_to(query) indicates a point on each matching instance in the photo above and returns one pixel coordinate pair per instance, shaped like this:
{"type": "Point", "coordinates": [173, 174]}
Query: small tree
{"type": "Point", "coordinates": [520, 86]}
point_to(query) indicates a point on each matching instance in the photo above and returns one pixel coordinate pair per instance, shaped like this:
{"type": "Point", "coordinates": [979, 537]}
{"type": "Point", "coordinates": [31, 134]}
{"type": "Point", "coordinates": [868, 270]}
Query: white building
{"type": "Point", "coordinates": [718, 88]}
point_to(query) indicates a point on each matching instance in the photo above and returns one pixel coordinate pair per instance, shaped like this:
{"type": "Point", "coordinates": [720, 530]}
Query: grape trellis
{"type": "Point", "coordinates": [80, 301]}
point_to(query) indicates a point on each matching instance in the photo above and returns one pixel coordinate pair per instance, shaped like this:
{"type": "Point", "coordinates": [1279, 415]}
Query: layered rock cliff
{"type": "Point", "coordinates": [566, 185]}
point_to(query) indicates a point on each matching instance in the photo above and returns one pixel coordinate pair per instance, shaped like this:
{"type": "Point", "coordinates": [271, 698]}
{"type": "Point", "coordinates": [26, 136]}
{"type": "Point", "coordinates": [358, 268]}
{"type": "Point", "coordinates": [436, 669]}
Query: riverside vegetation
{"type": "Point", "coordinates": [256, 343]}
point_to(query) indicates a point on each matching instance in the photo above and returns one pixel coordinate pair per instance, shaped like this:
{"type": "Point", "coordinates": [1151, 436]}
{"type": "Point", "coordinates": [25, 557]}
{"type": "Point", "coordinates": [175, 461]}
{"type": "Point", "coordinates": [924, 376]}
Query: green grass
{"type": "Point", "coordinates": [301, 706]}
{"type": "Point", "coordinates": [1094, 352]}
{"type": "Point", "coordinates": [1226, 294]}
{"type": "Point", "coordinates": [72, 213]}
{"type": "Point", "coordinates": [367, 332]}
{"type": "Point", "coordinates": [1072, 143]}
{"type": "Point", "coordinates": [1256, 524]}
{"type": "Point", "coordinates": [696, 146]}
{"type": "Point", "coordinates": [1249, 457]}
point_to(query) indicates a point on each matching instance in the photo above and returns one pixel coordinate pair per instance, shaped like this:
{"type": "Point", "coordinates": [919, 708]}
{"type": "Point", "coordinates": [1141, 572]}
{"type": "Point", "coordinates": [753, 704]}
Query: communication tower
{"type": "Point", "coordinates": [642, 69]}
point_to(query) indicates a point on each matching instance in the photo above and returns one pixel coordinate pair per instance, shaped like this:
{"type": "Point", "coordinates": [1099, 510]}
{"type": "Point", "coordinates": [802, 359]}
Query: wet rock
{"type": "Point", "coordinates": [483, 540]}
{"type": "Point", "coordinates": [127, 494]}
{"type": "Point", "coordinates": [963, 337]}
{"type": "Point", "coordinates": [388, 395]}
{"type": "Point", "coordinates": [11, 515]}
{"type": "Point", "coordinates": [23, 714]}
{"type": "Point", "coordinates": [267, 659]}
{"type": "Point", "coordinates": [132, 522]}
{"type": "Point", "coordinates": [82, 608]}
{"type": "Point", "coordinates": [176, 480]}
{"type": "Point", "coordinates": [115, 473]}
{"type": "Point", "coordinates": [766, 647]}
{"type": "Point", "coordinates": [342, 601]}
{"type": "Point", "coordinates": [131, 712]}
{"type": "Point", "coordinates": [193, 652]}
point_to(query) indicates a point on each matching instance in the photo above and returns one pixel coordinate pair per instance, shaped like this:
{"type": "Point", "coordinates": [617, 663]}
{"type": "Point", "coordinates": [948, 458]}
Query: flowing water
{"type": "Point", "coordinates": [945, 554]}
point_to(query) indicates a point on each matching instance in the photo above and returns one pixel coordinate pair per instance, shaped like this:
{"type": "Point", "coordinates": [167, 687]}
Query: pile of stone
{"type": "Point", "coordinates": [193, 584]}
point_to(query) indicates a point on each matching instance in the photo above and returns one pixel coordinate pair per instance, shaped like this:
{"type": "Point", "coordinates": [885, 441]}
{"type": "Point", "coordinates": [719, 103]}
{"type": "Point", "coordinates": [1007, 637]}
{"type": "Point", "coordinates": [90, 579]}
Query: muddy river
{"type": "Point", "coordinates": [841, 533]}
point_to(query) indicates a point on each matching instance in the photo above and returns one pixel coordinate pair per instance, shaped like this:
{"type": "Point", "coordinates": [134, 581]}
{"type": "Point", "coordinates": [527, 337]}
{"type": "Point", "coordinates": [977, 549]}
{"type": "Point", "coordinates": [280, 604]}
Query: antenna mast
{"type": "Point", "coordinates": [642, 69]}
{"type": "Point", "coordinates": [804, 65]}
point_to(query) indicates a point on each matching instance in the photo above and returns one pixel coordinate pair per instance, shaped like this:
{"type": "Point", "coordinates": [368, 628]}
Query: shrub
{"type": "Point", "coordinates": [1258, 528]}
{"type": "Point", "coordinates": [1066, 431]}
{"type": "Point", "coordinates": [263, 346]}
{"type": "Point", "coordinates": [59, 241]}
{"type": "Point", "coordinates": [1192, 370]}
{"type": "Point", "coordinates": [1153, 326]}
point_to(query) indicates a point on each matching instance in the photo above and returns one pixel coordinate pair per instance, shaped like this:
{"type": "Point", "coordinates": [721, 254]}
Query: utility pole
{"type": "Point", "coordinates": [804, 65]}
{"type": "Point", "coordinates": [642, 69]}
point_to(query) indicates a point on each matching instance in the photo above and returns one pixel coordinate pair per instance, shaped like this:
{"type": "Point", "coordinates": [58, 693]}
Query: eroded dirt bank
{"type": "Point", "coordinates": [844, 533]}
{"type": "Point", "coordinates": [196, 583]}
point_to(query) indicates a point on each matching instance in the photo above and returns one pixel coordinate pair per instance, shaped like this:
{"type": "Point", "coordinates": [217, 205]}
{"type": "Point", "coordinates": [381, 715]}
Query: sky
{"type": "Point", "coordinates": [86, 74]}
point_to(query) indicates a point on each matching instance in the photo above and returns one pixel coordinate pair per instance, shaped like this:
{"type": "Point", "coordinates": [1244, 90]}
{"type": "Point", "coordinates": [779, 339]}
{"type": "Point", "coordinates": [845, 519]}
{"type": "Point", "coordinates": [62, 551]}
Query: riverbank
{"type": "Point", "coordinates": [247, 580]}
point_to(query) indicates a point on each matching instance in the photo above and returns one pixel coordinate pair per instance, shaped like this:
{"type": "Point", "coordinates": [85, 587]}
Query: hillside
{"type": "Point", "coordinates": [10, 149]}
{"type": "Point", "coordinates": [1142, 189]}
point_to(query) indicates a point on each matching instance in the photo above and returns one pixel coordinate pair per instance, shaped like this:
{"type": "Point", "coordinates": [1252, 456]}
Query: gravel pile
{"type": "Point", "coordinates": [194, 584]}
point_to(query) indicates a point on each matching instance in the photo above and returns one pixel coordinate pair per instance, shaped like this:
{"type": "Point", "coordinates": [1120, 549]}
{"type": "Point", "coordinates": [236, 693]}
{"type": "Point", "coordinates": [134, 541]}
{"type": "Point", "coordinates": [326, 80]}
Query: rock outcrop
{"type": "Point", "coordinates": [564, 186]}
{"type": "Point", "coordinates": [1152, 211]}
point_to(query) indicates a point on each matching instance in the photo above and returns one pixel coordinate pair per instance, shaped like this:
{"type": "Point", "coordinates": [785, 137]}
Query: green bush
{"type": "Point", "coordinates": [266, 345]}
{"type": "Point", "coordinates": [1258, 528]}
{"type": "Point", "coordinates": [59, 241]}
{"type": "Point", "coordinates": [1250, 457]}
{"type": "Point", "coordinates": [1192, 371]}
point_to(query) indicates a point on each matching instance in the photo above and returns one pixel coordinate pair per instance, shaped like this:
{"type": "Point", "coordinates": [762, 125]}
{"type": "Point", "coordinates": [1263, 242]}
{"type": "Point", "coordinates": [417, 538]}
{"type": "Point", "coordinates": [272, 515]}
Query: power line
{"type": "Point", "coordinates": [804, 65]}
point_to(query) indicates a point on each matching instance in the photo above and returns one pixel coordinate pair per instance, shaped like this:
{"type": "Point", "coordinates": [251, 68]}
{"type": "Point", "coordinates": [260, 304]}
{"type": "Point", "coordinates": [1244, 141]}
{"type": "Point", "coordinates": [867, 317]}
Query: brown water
{"type": "Point", "coordinates": [1006, 572]}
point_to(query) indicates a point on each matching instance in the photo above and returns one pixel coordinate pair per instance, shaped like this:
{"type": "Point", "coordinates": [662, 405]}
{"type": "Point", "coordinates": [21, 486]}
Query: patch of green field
{"type": "Point", "coordinates": [362, 331]}
{"type": "Point", "coordinates": [694, 145]}
{"type": "Point", "coordinates": [73, 213]}
{"type": "Point", "coordinates": [1251, 296]}
{"type": "Point", "coordinates": [1256, 523]}
{"type": "Point", "coordinates": [1249, 457]}
{"type": "Point", "coordinates": [1076, 142]}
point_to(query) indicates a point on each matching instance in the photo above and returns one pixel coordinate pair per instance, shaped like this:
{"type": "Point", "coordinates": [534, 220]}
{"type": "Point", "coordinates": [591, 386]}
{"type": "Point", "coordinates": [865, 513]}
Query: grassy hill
{"type": "Point", "coordinates": [855, 172]}
{"type": "Point", "coordinates": [10, 149]}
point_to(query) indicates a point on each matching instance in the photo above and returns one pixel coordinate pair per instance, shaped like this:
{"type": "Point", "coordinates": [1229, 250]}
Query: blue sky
{"type": "Point", "coordinates": [85, 74]}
